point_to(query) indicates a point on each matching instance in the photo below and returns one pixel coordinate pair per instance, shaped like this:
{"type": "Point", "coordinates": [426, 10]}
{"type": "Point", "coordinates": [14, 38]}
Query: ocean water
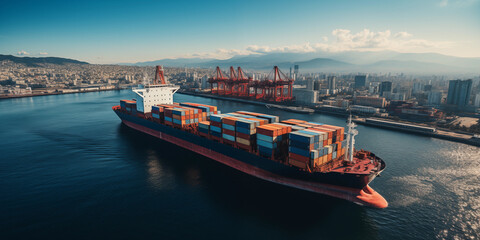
{"type": "Point", "coordinates": [70, 170]}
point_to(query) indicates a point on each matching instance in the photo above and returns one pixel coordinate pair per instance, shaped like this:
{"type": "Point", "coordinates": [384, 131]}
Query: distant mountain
{"type": "Point", "coordinates": [414, 67]}
{"type": "Point", "coordinates": [177, 62]}
{"type": "Point", "coordinates": [36, 61]}
{"type": "Point", "coordinates": [325, 64]}
{"type": "Point", "coordinates": [378, 61]}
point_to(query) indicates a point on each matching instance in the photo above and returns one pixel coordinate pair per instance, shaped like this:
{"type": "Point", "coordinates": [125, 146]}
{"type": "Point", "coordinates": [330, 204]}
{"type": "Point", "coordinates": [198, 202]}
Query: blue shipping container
{"type": "Point", "coordinates": [215, 129]}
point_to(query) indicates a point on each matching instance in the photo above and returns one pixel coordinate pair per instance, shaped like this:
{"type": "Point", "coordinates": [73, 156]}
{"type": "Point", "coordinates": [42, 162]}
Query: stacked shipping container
{"type": "Point", "coordinates": [272, 140]}
{"type": "Point", "coordinates": [129, 106]}
{"type": "Point", "coordinates": [300, 143]}
{"type": "Point", "coordinates": [329, 144]}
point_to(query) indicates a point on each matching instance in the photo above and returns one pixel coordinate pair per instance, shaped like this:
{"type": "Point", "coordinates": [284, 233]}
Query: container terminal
{"type": "Point", "coordinates": [311, 156]}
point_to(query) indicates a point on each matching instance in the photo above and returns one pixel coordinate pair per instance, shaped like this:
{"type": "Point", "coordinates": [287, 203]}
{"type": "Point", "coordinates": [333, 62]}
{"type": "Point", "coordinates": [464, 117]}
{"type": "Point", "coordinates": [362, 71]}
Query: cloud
{"type": "Point", "coordinates": [367, 40]}
{"type": "Point", "coordinates": [402, 35]}
{"type": "Point", "coordinates": [43, 53]}
{"type": "Point", "coordinates": [306, 47]}
{"type": "Point", "coordinates": [457, 3]}
{"type": "Point", "coordinates": [342, 40]}
{"type": "Point", "coordinates": [23, 53]}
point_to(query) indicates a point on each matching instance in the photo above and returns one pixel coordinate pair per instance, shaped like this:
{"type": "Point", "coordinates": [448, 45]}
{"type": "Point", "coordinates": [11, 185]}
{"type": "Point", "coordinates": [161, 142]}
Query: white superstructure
{"type": "Point", "coordinates": [153, 94]}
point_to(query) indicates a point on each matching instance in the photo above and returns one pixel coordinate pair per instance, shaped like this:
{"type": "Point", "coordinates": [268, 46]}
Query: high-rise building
{"type": "Point", "coordinates": [316, 85]}
{"type": "Point", "coordinates": [385, 87]}
{"type": "Point", "coordinates": [417, 87]}
{"type": "Point", "coordinates": [310, 84]}
{"type": "Point", "coordinates": [459, 92]}
{"type": "Point", "coordinates": [477, 100]}
{"type": "Point", "coordinates": [360, 81]}
{"type": "Point", "coordinates": [428, 88]}
{"type": "Point", "coordinates": [331, 83]}
{"type": "Point", "coordinates": [434, 98]}
{"type": "Point", "coordinates": [204, 82]}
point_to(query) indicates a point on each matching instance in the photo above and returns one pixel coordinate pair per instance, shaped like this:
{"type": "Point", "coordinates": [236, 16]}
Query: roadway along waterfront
{"type": "Point", "coordinates": [71, 170]}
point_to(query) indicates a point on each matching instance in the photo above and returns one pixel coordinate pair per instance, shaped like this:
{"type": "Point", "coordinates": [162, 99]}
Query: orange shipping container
{"type": "Point", "coordinates": [229, 120]}
{"type": "Point", "coordinates": [269, 130]}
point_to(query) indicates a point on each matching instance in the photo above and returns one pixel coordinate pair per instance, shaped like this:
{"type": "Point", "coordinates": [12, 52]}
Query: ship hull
{"type": "Point", "coordinates": [352, 187]}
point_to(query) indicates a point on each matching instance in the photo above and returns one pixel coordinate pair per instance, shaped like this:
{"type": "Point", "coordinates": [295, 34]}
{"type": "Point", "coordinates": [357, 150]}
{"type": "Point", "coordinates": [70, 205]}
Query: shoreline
{"type": "Point", "coordinates": [440, 133]}
{"type": "Point", "coordinates": [57, 93]}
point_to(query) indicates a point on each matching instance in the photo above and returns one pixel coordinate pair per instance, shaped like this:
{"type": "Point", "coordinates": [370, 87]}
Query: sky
{"type": "Point", "coordinates": [134, 31]}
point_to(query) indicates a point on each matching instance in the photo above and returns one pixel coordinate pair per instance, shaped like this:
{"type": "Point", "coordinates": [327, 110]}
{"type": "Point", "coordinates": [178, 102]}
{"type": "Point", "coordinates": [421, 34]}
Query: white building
{"type": "Point", "coordinates": [305, 96]}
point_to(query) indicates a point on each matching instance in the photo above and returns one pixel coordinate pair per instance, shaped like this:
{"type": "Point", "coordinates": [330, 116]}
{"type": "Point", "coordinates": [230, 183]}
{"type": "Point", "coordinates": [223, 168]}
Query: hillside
{"type": "Point", "coordinates": [36, 61]}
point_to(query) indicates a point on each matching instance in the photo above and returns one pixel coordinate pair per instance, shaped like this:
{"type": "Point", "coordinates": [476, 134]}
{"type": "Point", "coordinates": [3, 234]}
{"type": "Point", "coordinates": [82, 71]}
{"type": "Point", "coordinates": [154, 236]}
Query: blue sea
{"type": "Point", "coordinates": [70, 170]}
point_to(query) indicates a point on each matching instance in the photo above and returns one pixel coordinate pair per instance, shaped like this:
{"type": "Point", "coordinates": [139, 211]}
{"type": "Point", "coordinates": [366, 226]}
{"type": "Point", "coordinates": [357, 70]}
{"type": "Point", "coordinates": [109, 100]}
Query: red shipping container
{"type": "Point", "coordinates": [229, 132]}
{"type": "Point", "coordinates": [243, 146]}
{"type": "Point", "coordinates": [243, 135]}
{"type": "Point", "coordinates": [268, 130]}
{"type": "Point", "coordinates": [298, 157]}
{"type": "Point", "coordinates": [229, 120]}
{"type": "Point", "coordinates": [216, 124]}
{"type": "Point", "coordinates": [297, 163]}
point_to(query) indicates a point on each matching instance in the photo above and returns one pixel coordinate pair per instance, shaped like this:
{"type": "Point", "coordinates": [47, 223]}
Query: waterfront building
{"type": "Point", "coordinates": [364, 109]}
{"type": "Point", "coordinates": [459, 92]}
{"type": "Point", "coordinates": [305, 96]}
{"type": "Point", "coordinates": [378, 102]}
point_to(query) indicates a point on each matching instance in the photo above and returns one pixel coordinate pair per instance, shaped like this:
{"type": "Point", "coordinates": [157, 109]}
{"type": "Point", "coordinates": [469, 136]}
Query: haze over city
{"type": "Point", "coordinates": [128, 32]}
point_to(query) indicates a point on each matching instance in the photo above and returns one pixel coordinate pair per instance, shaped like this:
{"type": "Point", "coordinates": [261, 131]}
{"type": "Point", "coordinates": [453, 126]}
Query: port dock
{"type": "Point", "coordinates": [421, 130]}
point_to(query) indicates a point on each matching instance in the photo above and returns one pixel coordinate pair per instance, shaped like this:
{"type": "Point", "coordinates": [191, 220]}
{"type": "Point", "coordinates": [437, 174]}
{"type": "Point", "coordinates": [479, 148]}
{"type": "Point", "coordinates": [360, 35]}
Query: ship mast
{"type": "Point", "coordinates": [352, 132]}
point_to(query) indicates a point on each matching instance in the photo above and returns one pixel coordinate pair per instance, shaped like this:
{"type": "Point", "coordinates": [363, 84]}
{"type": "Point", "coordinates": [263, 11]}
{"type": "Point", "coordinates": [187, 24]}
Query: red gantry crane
{"type": "Point", "coordinates": [277, 87]}
{"type": "Point", "coordinates": [219, 81]}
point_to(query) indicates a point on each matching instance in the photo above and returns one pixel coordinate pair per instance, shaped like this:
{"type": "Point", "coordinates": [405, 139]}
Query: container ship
{"type": "Point", "coordinates": [311, 156]}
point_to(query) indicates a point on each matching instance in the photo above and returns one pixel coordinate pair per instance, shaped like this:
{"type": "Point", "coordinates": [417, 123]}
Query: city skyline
{"type": "Point", "coordinates": [119, 32]}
